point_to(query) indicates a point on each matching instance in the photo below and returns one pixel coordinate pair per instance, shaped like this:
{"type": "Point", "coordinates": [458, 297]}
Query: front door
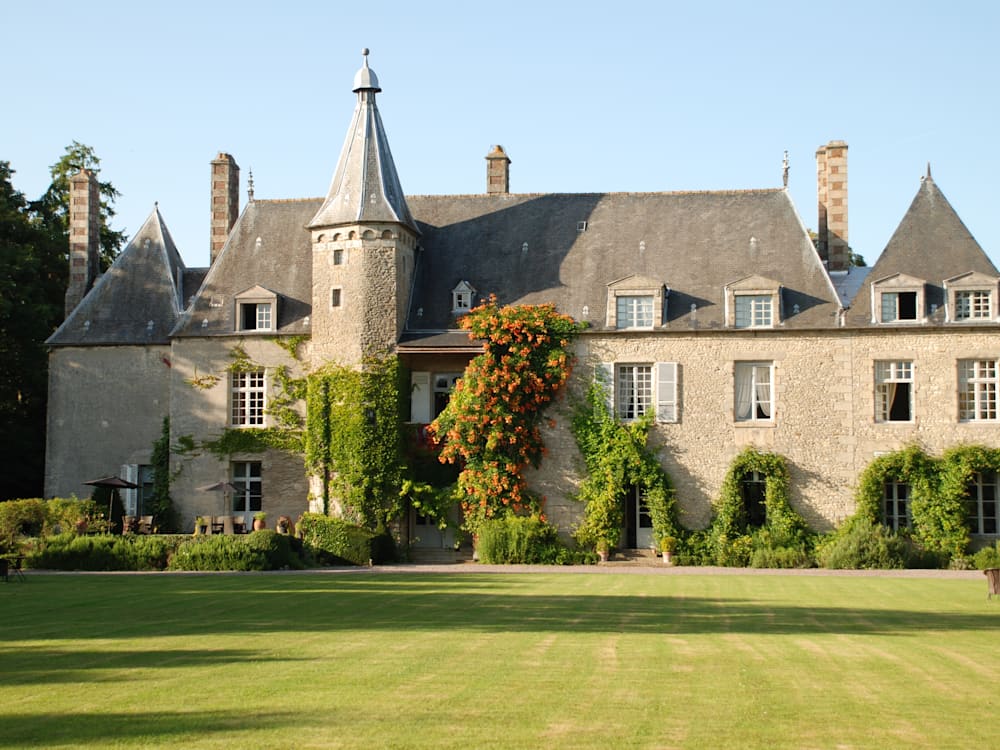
{"type": "Point", "coordinates": [638, 524]}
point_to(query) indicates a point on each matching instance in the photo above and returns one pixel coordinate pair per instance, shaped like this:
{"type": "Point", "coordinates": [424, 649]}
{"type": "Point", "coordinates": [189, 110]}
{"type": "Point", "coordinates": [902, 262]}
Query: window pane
{"type": "Point", "coordinates": [635, 390]}
{"type": "Point", "coordinates": [634, 312]}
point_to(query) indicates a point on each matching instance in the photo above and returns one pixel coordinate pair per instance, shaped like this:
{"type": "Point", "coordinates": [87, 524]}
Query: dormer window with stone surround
{"type": "Point", "coordinates": [753, 302]}
{"type": "Point", "coordinates": [971, 297]}
{"type": "Point", "coordinates": [635, 303]}
{"type": "Point", "coordinates": [461, 297]}
{"type": "Point", "coordinates": [256, 310]}
{"type": "Point", "coordinates": [898, 299]}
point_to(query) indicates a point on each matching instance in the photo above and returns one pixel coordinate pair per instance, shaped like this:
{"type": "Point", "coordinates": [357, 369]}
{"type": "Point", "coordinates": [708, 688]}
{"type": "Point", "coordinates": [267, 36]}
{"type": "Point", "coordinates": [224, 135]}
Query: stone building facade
{"type": "Point", "coordinates": [716, 310]}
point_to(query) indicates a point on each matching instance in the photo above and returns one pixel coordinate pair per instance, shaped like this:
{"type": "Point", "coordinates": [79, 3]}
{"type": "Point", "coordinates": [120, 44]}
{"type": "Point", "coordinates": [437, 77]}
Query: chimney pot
{"type": "Point", "coordinates": [497, 171]}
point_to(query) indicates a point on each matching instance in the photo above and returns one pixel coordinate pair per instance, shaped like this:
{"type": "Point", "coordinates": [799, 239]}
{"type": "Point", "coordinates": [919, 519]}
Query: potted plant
{"type": "Point", "coordinates": [668, 545]}
{"type": "Point", "coordinates": [988, 561]}
{"type": "Point", "coordinates": [259, 520]}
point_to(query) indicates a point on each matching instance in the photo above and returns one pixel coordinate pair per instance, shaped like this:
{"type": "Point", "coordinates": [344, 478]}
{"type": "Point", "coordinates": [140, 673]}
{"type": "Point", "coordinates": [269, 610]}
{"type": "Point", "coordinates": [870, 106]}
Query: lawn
{"type": "Point", "coordinates": [371, 659]}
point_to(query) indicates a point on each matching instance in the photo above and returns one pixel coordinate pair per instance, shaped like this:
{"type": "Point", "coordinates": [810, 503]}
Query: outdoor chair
{"type": "Point", "coordinates": [218, 524]}
{"type": "Point", "coordinates": [239, 525]}
{"type": "Point", "coordinates": [145, 524]}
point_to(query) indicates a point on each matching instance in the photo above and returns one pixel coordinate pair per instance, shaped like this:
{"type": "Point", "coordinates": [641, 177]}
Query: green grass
{"type": "Point", "coordinates": [369, 660]}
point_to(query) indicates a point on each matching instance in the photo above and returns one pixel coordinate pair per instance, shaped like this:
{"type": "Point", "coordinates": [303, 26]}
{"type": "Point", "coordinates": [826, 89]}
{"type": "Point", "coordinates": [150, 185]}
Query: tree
{"type": "Point", "coordinates": [33, 275]}
{"type": "Point", "coordinates": [53, 207]}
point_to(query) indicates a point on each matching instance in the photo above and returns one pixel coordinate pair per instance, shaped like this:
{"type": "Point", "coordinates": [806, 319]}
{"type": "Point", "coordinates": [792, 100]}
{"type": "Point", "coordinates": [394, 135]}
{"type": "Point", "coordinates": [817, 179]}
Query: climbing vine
{"type": "Point", "coordinates": [353, 440]}
{"type": "Point", "coordinates": [491, 426]}
{"type": "Point", "coordinates": [730, 536]}
{"type": "Point", "coordinates": [618, 458]}
{"type": "Point", "coordinates": [164, 515]}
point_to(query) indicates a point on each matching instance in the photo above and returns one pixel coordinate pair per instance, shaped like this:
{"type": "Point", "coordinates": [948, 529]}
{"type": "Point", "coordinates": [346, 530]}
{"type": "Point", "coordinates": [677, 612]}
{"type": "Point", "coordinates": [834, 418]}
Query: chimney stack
{"type": "Point", "coordinates": [497, 171]}
{"type": "Point", "coordinates": [84, 236]}
{"type": "Point", "coordinates": [225, 200]}
{"type": "Point", "coordinates": [831, 193]}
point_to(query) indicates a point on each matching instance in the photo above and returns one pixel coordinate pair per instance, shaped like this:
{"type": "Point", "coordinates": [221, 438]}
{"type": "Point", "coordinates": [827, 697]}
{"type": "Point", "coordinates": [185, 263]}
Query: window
{"type": "Point", "coordinates": [335, 296]}
{"type": "Point", "coordinates": [247, 390]}
{"type": "Point", "coordinates": [898, 306]}
{"type": "Point", "coordinates": [461, 297]}
{"type": "Point", "coordinates": [338, 257]}
{"type": "Point", "coordinates": [893, 391]}
{"type": "Point", "coordinates": [444, 384]}
{"type": "Point", "coordinates": [896, 506]}
{"type": "Point", "coordinates": [255, 316]}
{"type": "Point", "coordinates": [634, 389]}
{"type": "Point", "coordinates": [634, 311]}
{"type": "Point", "coordinates": [977, 390]}
{"type": "Point", "coordinates": [753, 310]}
{"type": "Point", "coordinates": [981, 503]}
{"type": "Point", "coordinates": [754, 395]}
{"type": "Point", "coordinates": [144, 492]}
{"type": "Point", "coordinates": [249, 496]}
{"type": "Point", "coordinates": [973, 305]}
{"type": "Point", "coordinates": [753, 490]}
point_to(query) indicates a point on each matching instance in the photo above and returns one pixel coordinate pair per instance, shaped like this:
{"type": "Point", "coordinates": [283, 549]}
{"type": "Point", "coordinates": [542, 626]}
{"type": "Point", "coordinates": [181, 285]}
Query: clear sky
{"type": "Point", "coordinates": [584, 97]}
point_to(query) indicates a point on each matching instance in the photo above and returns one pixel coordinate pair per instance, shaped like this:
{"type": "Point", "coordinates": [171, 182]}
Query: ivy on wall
{"type": "Point", "coordinates": [618, 458]}
{"type": "Point", "coordinates": [164, 514]}
{"type": "Point", "coordinates": [491, 426]}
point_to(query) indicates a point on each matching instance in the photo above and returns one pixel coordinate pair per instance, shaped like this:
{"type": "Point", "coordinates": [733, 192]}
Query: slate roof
{"type": "Point", "coordinates": [269, 247]}
{"type": "Point", "coordinates": [931, 243]}
{"type": "Point", "coordinates": [694, 243]}
{"type": "Point", "coordinates": [136, 301]}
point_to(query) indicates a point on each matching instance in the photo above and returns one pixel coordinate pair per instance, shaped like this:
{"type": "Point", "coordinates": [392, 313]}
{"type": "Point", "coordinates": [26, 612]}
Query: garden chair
{"type": "Point", "coordinates": [145, 524]}
{"type": "Point", "coordinates": [218, 524]}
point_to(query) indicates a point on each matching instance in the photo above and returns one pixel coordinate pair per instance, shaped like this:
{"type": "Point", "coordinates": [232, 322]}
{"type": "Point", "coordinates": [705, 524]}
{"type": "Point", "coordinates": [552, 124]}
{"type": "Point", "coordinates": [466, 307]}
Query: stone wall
{"type": "Point", "coordinates": [106, 408]}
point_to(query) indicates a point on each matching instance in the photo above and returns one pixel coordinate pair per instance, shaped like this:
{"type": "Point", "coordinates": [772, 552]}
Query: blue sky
{"type": "Point", "coordinates": [585, 97]}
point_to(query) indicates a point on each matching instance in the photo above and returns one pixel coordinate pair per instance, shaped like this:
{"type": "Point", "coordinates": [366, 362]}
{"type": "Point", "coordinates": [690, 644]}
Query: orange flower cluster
{"type": "Point", "coordinates": [491, 424]}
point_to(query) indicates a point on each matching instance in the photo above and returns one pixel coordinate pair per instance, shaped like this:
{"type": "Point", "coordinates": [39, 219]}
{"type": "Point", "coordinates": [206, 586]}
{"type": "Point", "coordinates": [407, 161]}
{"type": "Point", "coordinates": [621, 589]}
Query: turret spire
{"type": "Point", "coordinates": [365, 185]}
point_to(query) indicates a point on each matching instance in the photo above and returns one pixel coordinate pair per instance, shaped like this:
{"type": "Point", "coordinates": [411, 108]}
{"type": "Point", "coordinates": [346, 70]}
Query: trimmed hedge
{"type": "Point", "coordinates": [104, 552]}
{"type": "Point", "coordinates": [261, 550]}
{"type": "Point", "coordinates": [334, 541]}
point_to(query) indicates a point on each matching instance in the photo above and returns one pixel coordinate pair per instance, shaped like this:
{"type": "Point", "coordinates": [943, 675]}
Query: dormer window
{"type": "Point", "coordinates": [754, 310]}
{"type": "Point", "coordinates": [898, 299]}
{"type": "Point", "coordinates": [971, 297]}
{"type": "Point", "coordinates": [256, 310]}
{"type": "Point", "coordinates": [461, 297]}
{"type": "Point", "coordinates": [753, 302]}
{"type": "Point", "coordinates": [635, 303]}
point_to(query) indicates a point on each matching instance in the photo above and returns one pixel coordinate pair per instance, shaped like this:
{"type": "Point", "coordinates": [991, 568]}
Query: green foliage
{"type": "Point", "coordinates": [435, 503]}
{"type": "Point", "coordinates": [254, 440]}
{"type": "Point", "coordinates": [291, 344]}
{"type": "Point", "coordinates": [491, 426]}
{"type": "Point", "coordinates": [769, 550]}
{"type": "Point", "coordinates": [162, 507]}
{"type": "Point", "coordinates": [261, 550]}
{"type": "Point", "coordinates": [516, 539]}
{"type": "Point", "coordinates": [863, 544]}
{"type": "Point", "coordinates": [987, 557]}
{"type": "Point", "coordinates": [336, 541]}
{"type": "Point", "coordinates": [69, 551]}
{"type": "Point", "coordinates": [730, 535]}
{"type": "Point", "coordinates": [618, 458]}
{"type": "Point", "coordinates": [20, 518]}
{"type": "Point", "coordinates": [353, 439]}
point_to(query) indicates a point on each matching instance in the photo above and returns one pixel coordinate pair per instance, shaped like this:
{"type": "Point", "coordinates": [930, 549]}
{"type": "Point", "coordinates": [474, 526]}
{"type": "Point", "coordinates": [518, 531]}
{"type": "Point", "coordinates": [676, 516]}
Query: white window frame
{"type": "Point", "coordinates": [753, 392]}
{"type": "Point", "coordinates": [663, 390]}
{"type": "Point", "coordinates": [978, 504]}
{"type": "Point", "coordinates": [889, 376]}
{"type": "Point", "coordinates": [894, 495]}
{"type": "Point", "coordinates": [249, 477]}
{"type": "Point", "coordinates": [248, 398]}
{"type": "Point", "coordinates": [977, 390]}
{"type": "Point", "coordinates": [262, 315]}
{"type": "Point", "coordinates": [973, 304]}
{"type": "Point", "coordinates": [634, 311]}
{"type": "Point", "coordinates": [753, 310]}
{"type": "Point", "coordinates": [462, 297]}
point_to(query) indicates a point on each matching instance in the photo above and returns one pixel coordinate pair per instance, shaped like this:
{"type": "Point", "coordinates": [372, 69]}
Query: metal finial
{"type": "Point", "coordinates": [364, 51]}
{"type": "Point", "coordinates": [929, 170]}
{"type": "Point", "coordinates": [250, 186]}
{"type": "Point", "coordinates": [784, 170]}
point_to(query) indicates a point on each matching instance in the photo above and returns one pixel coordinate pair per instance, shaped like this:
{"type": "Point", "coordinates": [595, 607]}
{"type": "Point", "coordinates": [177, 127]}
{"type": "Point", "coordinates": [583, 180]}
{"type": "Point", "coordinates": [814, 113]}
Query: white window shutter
{"type": "Point", "coordinates": [420, 397]}
{"type": "Point", "coordinates": [666, 391]}
{"type": "Point", "coordinates": [130, 473]}
{"type": "Point", "coordinates": [604, 373]}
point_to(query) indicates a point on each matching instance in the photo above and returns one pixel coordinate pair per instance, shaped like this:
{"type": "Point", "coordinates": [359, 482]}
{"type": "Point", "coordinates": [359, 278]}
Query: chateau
{"type": "Point", "coordinates": [716, 310]}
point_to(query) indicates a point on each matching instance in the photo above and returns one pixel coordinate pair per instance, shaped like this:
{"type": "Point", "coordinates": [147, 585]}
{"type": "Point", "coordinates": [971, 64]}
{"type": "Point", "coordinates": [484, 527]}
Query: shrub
{"type": "Point", "coordinates": [987, 557]}
{"type": "Point", "coordinates": [774, 550]}
{"type": "Point", "coordinates": [336, 541]}
{"type": "Point", "coordinates": [21, 518]}
{"type": "Point", "coordinates": [517, 539]}
{"type": "Point", "coordinates": [67, 551]}
{"type": "Point", "coordinates": [862, 544]}
{"type": "Point", "coordinates": [261, 550]}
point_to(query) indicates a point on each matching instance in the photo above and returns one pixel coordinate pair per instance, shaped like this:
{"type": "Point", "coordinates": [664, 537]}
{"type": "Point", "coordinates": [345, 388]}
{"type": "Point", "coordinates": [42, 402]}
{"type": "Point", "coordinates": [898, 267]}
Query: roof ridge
{"type": "Point", "coordinates": [734, 191]}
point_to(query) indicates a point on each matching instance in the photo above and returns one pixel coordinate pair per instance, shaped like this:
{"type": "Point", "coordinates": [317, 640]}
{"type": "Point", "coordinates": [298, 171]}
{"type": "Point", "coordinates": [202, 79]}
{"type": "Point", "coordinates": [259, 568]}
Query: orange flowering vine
{"type": "Point", "coordinates": [491, 424]}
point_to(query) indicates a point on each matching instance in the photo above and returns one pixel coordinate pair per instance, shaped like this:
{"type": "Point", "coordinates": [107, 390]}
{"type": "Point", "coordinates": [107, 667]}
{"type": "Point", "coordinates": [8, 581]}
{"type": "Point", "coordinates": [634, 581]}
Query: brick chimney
{"type": "Point", "coordinates": [84, 236]}
{"type": "Point", "coordinates": [225, 200]}
{"type": "Point", "coordinates": [497, 171]}
{"type": "Point", "coordinates": [831, 193]}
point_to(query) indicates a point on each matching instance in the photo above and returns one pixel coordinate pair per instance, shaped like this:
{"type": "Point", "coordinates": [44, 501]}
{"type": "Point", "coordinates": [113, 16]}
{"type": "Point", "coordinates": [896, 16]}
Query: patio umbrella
{"type": "Point", "coordinates": [114, 484]}
{"type": "Point", "coordinates": [226, 488]}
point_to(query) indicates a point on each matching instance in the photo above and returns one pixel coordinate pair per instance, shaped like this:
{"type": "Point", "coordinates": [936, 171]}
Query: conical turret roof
{"type": "Point", "coordinates": [365, 185]}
